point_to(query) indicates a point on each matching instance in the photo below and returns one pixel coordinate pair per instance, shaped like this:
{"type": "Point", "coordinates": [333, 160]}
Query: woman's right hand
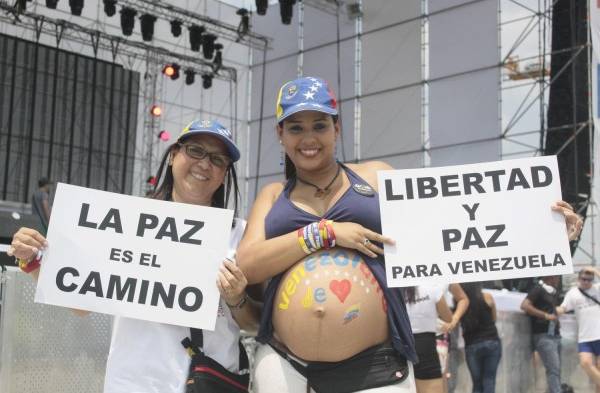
{"type": "Point", "coordinates": [26, 244]}
{"type": "Point", "coordinates": [355, 236]}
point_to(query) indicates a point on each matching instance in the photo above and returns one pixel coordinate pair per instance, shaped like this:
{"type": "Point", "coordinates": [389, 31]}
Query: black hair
{"type": "Point", "coordinates": [409, 294]}
{"type": "Point", "coordinates": [288, 166]}
{"type": "Point", "coordinates": [163, 188]}
{"type": "Point", "coordinates": [477, 304]}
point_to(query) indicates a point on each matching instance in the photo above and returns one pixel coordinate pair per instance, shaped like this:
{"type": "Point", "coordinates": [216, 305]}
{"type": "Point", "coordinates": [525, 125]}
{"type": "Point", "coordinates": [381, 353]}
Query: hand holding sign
{"type": "Point", "coordinates": [26, 244]}
{"type": "Point", "coordinates": [572, 220]}
{"type": "Point", "coordinates": [231, 283]}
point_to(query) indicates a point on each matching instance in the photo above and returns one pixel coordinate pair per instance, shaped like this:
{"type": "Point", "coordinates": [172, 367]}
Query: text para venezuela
{"type": "Point", "coordinates": [474, 222]}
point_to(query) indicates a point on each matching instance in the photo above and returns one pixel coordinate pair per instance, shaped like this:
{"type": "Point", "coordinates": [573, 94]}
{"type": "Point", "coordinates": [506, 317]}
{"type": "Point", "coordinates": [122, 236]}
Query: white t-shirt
{"type": "Point", "coordinates": [587, 312]}
{"type": "Point", "coordinates": [423, 313]}
{"type": "Point", "coordinates": [147, 357]}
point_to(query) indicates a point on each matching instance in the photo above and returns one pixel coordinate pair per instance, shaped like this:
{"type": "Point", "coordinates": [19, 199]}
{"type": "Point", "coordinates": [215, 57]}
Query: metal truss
{"type": "Point", "coordinates": [167, 11]}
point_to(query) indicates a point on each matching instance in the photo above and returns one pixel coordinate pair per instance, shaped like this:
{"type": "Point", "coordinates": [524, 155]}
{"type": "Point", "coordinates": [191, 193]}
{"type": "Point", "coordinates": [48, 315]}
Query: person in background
{"type": "Point", "coordinates": [540, 304]}
{"type": "Point", "coordinates": [585, 300]}
{"type": "Point", "coordinates": [424, 304]}
{"type": "Point", "coordinates": [483, 348]}
{"type": "Point", "coordinates": [40, 203]}
{"type": "Point", "coordinates": [448, 335]}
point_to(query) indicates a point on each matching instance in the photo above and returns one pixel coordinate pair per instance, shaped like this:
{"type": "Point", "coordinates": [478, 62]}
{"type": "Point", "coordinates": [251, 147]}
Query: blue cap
{"type": "Point", "coordinates": [214, 128]}
{"type": "Point", "coordinates": [305, 94]}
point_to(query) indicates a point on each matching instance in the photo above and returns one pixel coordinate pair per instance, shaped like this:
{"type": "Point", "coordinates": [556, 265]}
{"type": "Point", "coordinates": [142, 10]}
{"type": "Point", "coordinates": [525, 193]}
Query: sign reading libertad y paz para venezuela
{"type": "Point", "coordinates": [478, 222]}
{"type": "Point", "coordinates": [134, 257]}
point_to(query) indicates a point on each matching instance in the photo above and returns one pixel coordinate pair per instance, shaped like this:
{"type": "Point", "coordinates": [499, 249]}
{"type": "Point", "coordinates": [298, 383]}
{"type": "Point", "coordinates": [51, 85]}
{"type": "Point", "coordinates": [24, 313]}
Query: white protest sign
{"type": "Point", "coordinates": [478, 222]}
{"type": "Point", "coordinates": [135, 257]}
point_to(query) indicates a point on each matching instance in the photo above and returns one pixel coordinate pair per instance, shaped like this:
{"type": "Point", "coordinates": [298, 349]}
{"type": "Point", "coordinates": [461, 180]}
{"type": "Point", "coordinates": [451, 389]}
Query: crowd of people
{"type": "Point", "coordinates": [318, 234]}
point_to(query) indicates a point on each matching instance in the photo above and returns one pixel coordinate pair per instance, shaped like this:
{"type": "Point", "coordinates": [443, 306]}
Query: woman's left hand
{"type": "Point", "coordinates": [572, 219]}
{"type": "Point", "coordinates": [231, 282]}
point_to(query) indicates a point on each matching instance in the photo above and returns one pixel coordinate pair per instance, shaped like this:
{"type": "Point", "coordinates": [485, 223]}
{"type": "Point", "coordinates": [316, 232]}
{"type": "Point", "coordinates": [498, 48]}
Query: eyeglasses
{"type": "Point", "coordinates": [586, 279]}
{"type": "Point", "coordinates": [199, 153]}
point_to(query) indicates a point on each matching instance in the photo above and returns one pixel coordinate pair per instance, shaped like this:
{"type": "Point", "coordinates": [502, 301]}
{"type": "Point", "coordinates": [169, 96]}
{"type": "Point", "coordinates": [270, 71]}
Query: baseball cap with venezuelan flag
{"type": "Point", "coordinates": [214, 128]}
{"type": "Point", "coordinates": [305, 94]}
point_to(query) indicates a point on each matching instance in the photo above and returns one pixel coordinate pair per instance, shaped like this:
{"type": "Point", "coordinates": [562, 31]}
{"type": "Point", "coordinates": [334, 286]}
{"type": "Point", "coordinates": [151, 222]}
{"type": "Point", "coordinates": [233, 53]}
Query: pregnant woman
{"type": "Point", "coordinates": [329, 322]}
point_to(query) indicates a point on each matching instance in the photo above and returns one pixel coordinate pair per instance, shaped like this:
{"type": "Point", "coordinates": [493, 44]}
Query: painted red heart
{"type": "Point", "coordinates": [341, 289]}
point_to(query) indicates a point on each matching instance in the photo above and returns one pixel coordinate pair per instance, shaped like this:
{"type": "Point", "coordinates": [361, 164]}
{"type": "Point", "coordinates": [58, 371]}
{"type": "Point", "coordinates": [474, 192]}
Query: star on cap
{"type": "Point", "coordinates": [309, 95]}
{"type": "Point", "coordinates": [318, 84]}
{"type": "Point", "coordinates": [313, 88]}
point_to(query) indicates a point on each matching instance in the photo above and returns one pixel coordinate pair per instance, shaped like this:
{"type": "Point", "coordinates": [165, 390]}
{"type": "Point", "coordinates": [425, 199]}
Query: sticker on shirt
{"type": "Point", "coordinates": [363, 189]}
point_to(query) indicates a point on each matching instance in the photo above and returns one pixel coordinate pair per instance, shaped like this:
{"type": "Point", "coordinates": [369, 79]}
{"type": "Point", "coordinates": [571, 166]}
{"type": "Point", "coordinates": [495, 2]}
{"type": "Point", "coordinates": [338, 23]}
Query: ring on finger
{"type": "Point", "coordinates": [366, 242]}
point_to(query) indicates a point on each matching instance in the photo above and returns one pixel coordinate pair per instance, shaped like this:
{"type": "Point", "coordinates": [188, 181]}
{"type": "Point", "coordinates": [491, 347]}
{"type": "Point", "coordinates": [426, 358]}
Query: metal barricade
{"type": "Point", "coordinates": [46, 348]}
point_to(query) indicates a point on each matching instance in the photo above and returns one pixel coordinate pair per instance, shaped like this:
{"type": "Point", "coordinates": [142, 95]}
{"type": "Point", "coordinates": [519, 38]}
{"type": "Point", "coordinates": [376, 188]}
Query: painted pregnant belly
{"type": "Point", "coordinates": [329, 307]}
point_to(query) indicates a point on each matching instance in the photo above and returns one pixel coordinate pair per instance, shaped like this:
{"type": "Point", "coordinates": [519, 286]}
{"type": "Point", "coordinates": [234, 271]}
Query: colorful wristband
{"type": "Point", "coordinates": [28, 267]}
{"type": "Point", "coordinates": [302, 242]}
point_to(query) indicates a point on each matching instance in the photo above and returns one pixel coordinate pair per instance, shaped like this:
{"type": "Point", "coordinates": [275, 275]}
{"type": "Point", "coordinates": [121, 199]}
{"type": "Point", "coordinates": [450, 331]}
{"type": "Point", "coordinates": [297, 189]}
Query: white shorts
{"type": "Point", "coordinates": [274, 374]}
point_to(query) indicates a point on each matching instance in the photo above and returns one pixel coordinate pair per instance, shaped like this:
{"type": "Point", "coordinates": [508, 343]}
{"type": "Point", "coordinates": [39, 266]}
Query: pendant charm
{"type": "Point", "coordinates": [363, 189]}
{"type": "Point", "coordinates": [320, 193]}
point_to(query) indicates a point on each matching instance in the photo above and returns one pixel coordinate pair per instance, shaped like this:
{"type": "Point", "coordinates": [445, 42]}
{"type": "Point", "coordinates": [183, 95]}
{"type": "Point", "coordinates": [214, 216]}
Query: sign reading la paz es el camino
{"type": "Point", "coordinates": [479, 222]}
{"type": "Point", "coordinates": [135, 257]}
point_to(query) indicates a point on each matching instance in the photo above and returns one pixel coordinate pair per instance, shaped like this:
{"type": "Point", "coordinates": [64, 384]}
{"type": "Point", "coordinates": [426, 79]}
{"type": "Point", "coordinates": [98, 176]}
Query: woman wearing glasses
{"type": "Point", "coordinates": [147, 356]}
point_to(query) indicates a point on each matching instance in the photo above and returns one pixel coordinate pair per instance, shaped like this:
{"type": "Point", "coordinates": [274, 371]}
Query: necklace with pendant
{"type": "Point", "coordinates": [322, 192]}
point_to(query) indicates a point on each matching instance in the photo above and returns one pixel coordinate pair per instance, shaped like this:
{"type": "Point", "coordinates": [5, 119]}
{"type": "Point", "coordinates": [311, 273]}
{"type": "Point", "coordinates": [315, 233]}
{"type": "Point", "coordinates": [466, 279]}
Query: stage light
{"type": "Point", "coordinates": [196, 37]}
{"type": "Point", "coordinates": [21, 5]}
{"type": "Point", "coordinates": [171, 70]}
{"type": "Point", "coordinates": [127, 20]}
{"type": "Point", "coordinates": [51, 4]}
{"type": "Point", "coordinates": [244, 25]}
{"type": "Point", "coordinates": [218, 61]}
{"type": "Point", "coordinates": [76, 7]}
{"type": "Point", "coordinates": [190, 76]}
{"type": "Point", "coordinates": [110, 7]}
{"type": "Point", "coordinates": [164, 135]}
{"type": "Point", "coordinates": [207, 81]}
{"type": "Point", "coordinates": [208, 45]}
{"type": "Point", "coordinates": [151, 180]}
{"type": "Point", "coordinates": [156, 110]}
{"type": "Point", "coordinates": [176, 28]}
{"type": "Point", "coordinates": [261, 7]}
{"type": "Point", "coordinates": [286, 8]}
{"type": "Point", "coordinates": [147, 24]}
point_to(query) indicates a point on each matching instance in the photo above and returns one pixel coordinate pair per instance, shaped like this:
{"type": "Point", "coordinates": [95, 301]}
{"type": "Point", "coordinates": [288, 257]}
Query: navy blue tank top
{"type": "Point", "coordinates": [285, 217]}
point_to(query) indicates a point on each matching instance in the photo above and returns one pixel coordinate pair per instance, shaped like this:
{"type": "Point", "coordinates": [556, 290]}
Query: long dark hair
{"type": "Point", "coordinates": [410, 294]}
{"type": "Point", "coordinates": [289, 167]}
{"type": "Point", "coordinates": [471, 320]}
{"type": "Point", "coordinates": [163, 187]}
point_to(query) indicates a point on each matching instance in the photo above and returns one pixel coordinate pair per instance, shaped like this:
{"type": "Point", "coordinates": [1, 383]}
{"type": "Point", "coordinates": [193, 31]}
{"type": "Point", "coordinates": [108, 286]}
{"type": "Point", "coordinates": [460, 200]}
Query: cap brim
{"type": "Point", "coordinates": [232, 149]}
{"type": "Point", "coordinates": [307, 107]}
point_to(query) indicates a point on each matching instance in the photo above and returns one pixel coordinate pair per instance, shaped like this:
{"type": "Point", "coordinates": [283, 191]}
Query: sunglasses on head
{"type": "Point", "coordinates": [199, 153]}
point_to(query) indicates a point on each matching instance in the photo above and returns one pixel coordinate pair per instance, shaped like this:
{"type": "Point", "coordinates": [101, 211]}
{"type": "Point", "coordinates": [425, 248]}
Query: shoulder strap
{"type": "Point", "coordinates": [196, 344]}
{"type": "Point", "coordinates": [584, 293]}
